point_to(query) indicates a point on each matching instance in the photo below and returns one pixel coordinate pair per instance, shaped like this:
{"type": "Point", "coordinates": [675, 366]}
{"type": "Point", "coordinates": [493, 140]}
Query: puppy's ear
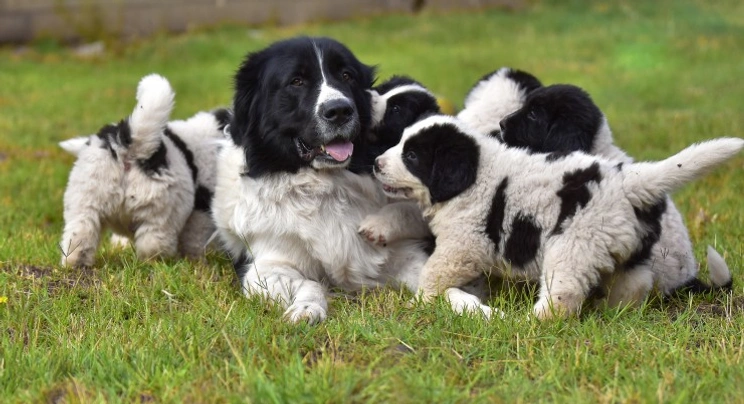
{"type": "Point", "coordinates": [454, 166]}
{"type": "Point", "coordinates": [75, 145]}
{"type": "Point", "coordinates": [574, 119]}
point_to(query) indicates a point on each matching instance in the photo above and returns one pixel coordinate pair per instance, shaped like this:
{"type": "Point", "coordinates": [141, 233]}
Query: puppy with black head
{"type": "Point", "coordinates": [570, 222]}
{"type": "Point", "coordinates": [286, 206]}
{"type": "Point", "coordinates": [561, 119]}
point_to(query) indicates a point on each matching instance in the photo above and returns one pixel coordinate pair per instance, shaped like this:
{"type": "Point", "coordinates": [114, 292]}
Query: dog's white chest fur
{"type": "Point", "coordinates": [309, 218]}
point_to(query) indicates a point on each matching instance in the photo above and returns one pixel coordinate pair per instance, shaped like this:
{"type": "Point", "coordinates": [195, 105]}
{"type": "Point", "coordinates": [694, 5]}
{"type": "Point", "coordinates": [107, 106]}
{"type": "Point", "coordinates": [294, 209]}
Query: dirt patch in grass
{"type": "Point", "coordinates": [56, 279]}
{"type": "Point", "coordinates": [724, 308]}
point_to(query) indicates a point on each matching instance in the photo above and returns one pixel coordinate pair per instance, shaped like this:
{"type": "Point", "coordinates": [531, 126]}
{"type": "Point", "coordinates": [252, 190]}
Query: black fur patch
{"type": "Point", "coordinates": [619, 166]}
{"type": "Point", "coordinates": [575, 194]}
{"type": "Point", "coordinates": [203, 199]}
{"type": "Point", "coordinates": [223, 117]}
{"type": "Point", "coordinates": [446, 160]}
{"type": "Point", "coordinates": [156, 163]}
{"type": "Point", "coordinates": [431, 245]}
{"type": "Point", "coordinates": [187, 154]}
{"type": "Point", "coordinates": [241, 264]}
{"type": "Point", "coordinates": [496, 134]}
{"type": "Point", "coordinates": [125, 133]}
{"type": "Point", "coordinates": [525, 81]}
{"type": "Point", "coordinates": [495, 219]}
{"type": "Point", "coordinates": [555, 118]}
{"type": "Point", "coordinates": [555, 156]}
{"type": "Point", "coordinates": [523, 242]}
{"type": "Point", "coordinates": [108, 134]}
{"type": "Point", "coordinates": [651, 220]}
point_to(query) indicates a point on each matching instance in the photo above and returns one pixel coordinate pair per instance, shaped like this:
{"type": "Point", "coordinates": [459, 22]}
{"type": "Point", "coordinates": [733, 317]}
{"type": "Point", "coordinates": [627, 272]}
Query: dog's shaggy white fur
{"type": "Point", "coordinates": [145, 178]}
{"type": "Point", "coordinates": [568, 221]}
{"type": "Point", "coordinates": [499, 95]}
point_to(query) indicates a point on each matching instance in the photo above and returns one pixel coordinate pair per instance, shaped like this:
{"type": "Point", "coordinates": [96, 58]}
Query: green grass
{"type": "Point", "coordinates": [667, 73]}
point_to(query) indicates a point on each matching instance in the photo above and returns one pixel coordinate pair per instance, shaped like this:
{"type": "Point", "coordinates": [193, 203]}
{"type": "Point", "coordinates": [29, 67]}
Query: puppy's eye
{"type": "Point", "coordinates": [532, 116]}
{"type": "Point", "coordinates": [411, 157]}
{"type": "Point", "coordinates": [297, 82]}
{"type": "Point", "coordinates": [346, 76]}
{"type": "Point", "coordinates": [395, 109]}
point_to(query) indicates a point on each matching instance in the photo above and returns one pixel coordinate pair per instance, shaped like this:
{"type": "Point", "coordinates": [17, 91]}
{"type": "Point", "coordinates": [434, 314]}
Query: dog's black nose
{"type": "Point", "coordinates": [338, 111]}
{"type": "Point", "coordinates": [502, 124]}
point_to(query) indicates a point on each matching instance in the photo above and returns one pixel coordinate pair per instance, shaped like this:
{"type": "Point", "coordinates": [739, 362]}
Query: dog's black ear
{"type": "Point", "coordinates": [455, 164]}
{"type": "Point", "coordinates": [245, 105]}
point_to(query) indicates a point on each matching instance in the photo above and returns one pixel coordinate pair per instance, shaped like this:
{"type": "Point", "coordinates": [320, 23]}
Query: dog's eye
{"type": "Point", "coordinates": [346, 76]}
{"type": "Point", "coordinates": [532, 116]}
{"type": "Point", "coordinates": [395, 109]}
{"type": "Point", "coordinates": [411, 157]}
{"type": "Point", "coordinates": [297, 82]}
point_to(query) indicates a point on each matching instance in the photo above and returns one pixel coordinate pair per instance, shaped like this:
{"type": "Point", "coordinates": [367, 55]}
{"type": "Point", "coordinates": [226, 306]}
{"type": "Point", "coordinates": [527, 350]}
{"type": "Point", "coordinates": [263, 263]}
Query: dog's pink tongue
{"type": "Point", "coordinates": [340, 151]}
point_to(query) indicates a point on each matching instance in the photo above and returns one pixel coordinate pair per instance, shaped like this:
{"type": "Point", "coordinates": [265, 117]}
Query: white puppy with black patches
{"type": "Point", "coordinates": [567, 220]}
{"type": "Point", "coordinates": [145, 178]}
{"type": "Point", "coordinates": [514, 107]}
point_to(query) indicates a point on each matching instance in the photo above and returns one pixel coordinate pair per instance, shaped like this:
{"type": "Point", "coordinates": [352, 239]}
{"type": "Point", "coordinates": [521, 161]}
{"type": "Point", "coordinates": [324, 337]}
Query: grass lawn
{"type": "Point", "coordinates": [667, 73]}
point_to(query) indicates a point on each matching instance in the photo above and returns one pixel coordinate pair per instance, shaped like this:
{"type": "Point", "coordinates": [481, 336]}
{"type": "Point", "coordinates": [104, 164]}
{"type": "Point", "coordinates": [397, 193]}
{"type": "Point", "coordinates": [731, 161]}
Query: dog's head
{"type": "Point", "coordinates": [436, 160]}
{"type": "Point", "coordinates": [494, 97]}
{"type": "Point", "coordinates": [397, 103]}
{"type": "Point", "coordinates": [301, 102]}
{"type": "Point", "coordinates": [556, 118]}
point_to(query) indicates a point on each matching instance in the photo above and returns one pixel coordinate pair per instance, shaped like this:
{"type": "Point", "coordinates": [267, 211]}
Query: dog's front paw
{"type": "Point", "coordinates": [547, 308]}
{"type": "Point", "coordinates": [375, 230]}
{"type": "Point", "coordinates": [311, 312]}
{"type": "Point", "coordinates": [465, 303]}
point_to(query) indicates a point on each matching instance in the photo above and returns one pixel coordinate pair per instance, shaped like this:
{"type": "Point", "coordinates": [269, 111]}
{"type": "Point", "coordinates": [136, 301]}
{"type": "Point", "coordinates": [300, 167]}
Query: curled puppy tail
{"type": "Point", "coordinates": [720, 278]}
{"type": "Point", "coordinates": [155, 99]}
{"type": "Point", "coordinates": [648, 182]}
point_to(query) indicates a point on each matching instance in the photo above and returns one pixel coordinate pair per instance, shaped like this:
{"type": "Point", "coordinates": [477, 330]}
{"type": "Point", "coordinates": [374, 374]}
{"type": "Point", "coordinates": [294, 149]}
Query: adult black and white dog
{"type": "Point", "coordinates": [570, 220]}
{"type": "Point", "coordinates": [513, 106]}
{"type": "Point", "coordinates": [145, 178]}
{"type": "Point", "coordinates": [286, 207]}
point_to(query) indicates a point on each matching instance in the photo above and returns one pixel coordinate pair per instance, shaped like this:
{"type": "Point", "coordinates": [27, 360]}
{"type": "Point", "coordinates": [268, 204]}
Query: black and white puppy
{"type": "Point", "coordinates": [145, 178]}
{"type": "Point", "coordinates": [563, 118]}
{"type": "Point", "coordinates": [286, 207]}
{"type": "Point", "coordinates": [569, 220]}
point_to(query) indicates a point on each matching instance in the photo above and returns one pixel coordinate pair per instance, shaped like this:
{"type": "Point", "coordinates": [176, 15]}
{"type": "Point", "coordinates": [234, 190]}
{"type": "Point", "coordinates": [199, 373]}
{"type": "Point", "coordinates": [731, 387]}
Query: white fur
{"type": "Point", "coordinates": [155, 210]}
{"type": "Point", "coordinates": [490, 101]}
{"type": "Point", "coordinates": [569, 264]}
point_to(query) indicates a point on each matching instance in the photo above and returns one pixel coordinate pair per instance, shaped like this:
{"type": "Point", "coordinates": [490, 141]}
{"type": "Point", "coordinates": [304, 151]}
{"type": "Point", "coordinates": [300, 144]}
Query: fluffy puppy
{"type": "Point", "coordinates": [146, 179]}
{"type": "Point", "coordinates": [563, 118]}
{"type": "Point", "coordinates": [569, 220]}
{"type": "Point", "coordinates": [396, 104]}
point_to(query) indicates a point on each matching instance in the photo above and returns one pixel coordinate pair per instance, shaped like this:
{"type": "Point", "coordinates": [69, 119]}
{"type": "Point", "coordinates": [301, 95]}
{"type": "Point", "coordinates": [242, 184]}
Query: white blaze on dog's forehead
{"type": "Point", "coordinates": [327, 92]}
{"type": "Point", "coordinates": [379, 101]}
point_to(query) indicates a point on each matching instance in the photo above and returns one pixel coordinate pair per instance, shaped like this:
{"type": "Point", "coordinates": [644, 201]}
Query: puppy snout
{"type": "Point", "coordinates": [502, 124]}
{"type": "Point", "coordinates": [337, 112]}
{"type": "Point", "coordinates": [379, 165]}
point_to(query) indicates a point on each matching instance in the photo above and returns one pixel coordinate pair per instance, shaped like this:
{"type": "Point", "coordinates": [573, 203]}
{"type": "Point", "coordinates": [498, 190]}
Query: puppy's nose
{"type": "Point", "coordinates": [337, 112]}
{"type": "Point", "coordinates": [379, 165]}
{"type": "Point", "coordinates": [502, 124]}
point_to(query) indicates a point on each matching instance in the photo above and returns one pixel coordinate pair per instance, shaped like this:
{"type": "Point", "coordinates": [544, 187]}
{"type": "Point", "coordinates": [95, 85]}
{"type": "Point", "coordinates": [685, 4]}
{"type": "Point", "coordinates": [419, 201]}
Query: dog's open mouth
{"type": "Point", "coordinates": [338, 151]}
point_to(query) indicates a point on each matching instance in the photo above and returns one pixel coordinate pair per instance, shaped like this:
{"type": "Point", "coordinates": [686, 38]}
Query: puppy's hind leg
{"type": "Point", "coordinates": [153, 241]}
{"type": "Point", "coordinates": [570, 271]}
{"type": "Point", "coordinates": [80, 238]}
{"type": "Point", "coordinates": [303, 298]}
{"type": "Point", "coordinates": [195, 235]}
{"type": "Point", "coordinates": [631, 286]}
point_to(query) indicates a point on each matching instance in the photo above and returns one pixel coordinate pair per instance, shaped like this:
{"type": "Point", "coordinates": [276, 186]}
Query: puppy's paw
{"type": "Point", "coordinates": [465, 303]}
{"type": "Point", "coordinates": [375, 230]}
{"type": "Point", "coordinates": [311, 312]}
{"type": "Point", "coordinates": [547, 309]}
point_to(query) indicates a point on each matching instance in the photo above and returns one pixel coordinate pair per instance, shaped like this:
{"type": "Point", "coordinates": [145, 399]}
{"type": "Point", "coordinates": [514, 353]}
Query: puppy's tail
{"type": "Point", "coordinates": [720, 277]}
{"type": "Point", "coordinates": [155, 99]}
{"type": "Point", "coordinates": [647, 183]}
{"type": "Point", "coordinates": [75, 145]}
